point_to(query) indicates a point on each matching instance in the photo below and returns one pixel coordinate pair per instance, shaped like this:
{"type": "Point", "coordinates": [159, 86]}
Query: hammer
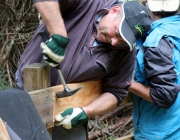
{"type": "Point", "coordinates": [67, 91]}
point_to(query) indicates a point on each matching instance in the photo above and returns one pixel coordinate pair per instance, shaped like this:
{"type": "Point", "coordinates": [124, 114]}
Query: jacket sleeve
{"type": "Point", "coordinates": [160, 73]}
{"type": "Point", "coordinates": [117, 82]}
{"type": "Point", "coordinates": [66, 6]}
{"type": "Point", "coordinates": [34, 1]}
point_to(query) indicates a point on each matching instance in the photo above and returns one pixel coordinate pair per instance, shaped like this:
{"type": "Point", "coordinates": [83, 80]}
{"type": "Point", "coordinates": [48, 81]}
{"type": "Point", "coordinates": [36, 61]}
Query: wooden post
{"type": "Point", "coordinates": [36, 76]}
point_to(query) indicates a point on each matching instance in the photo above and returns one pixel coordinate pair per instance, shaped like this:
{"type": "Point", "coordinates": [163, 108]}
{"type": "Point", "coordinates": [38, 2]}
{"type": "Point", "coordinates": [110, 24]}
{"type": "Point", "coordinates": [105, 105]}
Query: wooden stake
{"type": "Point", "coordinates": [36, 76]}
{"type": "Point", "coordinates": [3, 132]}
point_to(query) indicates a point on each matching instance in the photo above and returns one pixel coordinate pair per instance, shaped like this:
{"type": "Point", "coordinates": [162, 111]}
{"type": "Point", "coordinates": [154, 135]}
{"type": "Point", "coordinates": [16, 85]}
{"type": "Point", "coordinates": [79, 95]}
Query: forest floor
{"type": "Point", "coordinates": [113, 125]}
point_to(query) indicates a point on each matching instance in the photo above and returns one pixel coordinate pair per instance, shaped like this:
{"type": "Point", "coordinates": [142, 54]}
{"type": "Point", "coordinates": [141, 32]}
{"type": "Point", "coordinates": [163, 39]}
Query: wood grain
{"type": "Point", "coordinates": [3, 132]}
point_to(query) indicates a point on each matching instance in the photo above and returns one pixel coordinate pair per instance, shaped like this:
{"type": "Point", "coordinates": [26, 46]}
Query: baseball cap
{"type": "Point", "coordinates": [163, 5]}
{"type": "Point", "coordinates": [135, 23]}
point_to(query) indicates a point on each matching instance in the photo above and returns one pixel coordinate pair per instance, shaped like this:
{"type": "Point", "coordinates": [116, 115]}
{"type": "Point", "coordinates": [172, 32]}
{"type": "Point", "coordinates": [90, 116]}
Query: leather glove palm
{"type": "Point", "coordinates": [70, 117]}
{"type": "Point", "coordinates": [54, 49]}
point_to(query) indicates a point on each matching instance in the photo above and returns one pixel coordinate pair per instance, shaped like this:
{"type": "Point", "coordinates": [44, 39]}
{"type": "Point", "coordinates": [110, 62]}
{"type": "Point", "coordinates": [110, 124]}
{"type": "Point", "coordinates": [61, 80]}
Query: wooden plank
{"type": "Point", "coordinates": [36, 76]}
{"type": "Point", "coordinates": [48, 105]}
{"type": "Point", "coordinates": [3, 132]}
{"type": "Point", "coordinates": [128, 137]}
{"type": "Point", "coordinates": [90, 91]}
{"type": "Point", "coordinates": [43, 100]}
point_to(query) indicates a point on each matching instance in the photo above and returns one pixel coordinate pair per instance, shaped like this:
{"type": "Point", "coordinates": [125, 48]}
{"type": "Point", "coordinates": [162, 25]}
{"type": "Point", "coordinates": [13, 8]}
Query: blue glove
{"type": "Point", "coordinates": [54, 49]}
{"type": "Point", "coordinates": [70, 117]}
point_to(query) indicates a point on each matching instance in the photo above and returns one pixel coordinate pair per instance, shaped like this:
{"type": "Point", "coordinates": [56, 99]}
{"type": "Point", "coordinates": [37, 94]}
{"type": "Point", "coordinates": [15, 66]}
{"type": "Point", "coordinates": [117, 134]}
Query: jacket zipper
{"type": "Point", "coordinates": [89, 46]}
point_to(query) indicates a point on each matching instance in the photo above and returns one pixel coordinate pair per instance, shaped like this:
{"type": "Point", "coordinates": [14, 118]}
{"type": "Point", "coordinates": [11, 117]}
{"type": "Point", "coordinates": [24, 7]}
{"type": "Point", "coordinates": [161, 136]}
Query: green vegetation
{"type": "Point", "coordinates": [4, 84]}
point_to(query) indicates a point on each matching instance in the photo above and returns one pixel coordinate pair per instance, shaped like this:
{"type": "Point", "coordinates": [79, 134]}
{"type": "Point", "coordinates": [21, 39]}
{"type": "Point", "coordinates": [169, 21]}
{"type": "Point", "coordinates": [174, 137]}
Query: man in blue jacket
{"type": "Point", "coordinates": [156, 100]}
{"type": "Point", "coordinates": [95, 39]}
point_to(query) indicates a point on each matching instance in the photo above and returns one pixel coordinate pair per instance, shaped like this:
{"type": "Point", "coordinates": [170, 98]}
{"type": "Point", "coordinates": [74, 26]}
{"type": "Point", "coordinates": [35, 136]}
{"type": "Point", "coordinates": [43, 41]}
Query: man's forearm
{"type": "Point", "coordinates": [103, 104]}
{"type": "Point", "coordinates": [51, 15]}
{"type": "Point", "coordinates": [141, 90]}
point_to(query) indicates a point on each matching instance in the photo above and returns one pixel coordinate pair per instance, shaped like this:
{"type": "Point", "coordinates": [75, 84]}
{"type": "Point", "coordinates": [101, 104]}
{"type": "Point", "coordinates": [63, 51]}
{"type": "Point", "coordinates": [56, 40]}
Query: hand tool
{"type": "Point", "coordinates": [67, 91]}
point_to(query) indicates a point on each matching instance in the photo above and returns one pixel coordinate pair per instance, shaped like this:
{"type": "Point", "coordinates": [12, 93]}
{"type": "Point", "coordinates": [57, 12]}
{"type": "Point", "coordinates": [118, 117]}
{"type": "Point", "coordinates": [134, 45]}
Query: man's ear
{"type": "Point", "coordinates": [115, 9]}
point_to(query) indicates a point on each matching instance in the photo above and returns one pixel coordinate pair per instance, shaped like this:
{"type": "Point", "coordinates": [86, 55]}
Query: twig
{"type": "Point", "coordinates": [123, 122]}
{"type": "Point", "coordinates": [9, 76]}
{"type": "Point", "coordinates": [107, 130]}
{"type": "Point", "coordinates": [106, 116]}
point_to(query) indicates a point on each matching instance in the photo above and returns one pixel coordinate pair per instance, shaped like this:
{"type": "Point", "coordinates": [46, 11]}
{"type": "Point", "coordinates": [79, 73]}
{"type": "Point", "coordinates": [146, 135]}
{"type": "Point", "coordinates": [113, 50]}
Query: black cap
{"type": "Point", "coordinates": [135, 23]}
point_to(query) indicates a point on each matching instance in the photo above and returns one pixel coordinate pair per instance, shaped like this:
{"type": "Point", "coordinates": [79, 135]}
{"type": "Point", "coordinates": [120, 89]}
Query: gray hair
{"type": "Point", "coordinates": [120, 13]}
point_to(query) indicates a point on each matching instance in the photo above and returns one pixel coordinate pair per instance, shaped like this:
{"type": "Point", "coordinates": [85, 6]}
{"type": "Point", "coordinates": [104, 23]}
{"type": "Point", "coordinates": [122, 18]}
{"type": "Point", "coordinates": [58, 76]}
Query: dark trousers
{"type": "Point", "coordinates": [77, 133]}
{"type": "Point", "coordinates": [19, 112]}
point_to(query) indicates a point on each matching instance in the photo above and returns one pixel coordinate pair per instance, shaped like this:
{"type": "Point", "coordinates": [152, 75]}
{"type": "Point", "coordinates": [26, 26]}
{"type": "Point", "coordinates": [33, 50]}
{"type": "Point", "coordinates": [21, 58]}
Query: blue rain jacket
{"type": "Point", "coordinates": [158, 66]}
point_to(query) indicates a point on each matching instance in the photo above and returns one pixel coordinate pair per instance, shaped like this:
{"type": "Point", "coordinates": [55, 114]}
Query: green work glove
{"type": "Point", "coordinates": [70, 117]}
{"type": "Point", "coordinates": [54, 49]}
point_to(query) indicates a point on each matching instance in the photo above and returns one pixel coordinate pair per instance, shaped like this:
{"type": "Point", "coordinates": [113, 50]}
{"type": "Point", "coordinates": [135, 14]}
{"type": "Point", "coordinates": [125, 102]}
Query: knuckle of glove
{"type": "Point", "coordinates": [67, 126]}
{"type": "Point", "coordinates": [59, 118]}
{"type": "Point", "coordinates": [50, 61]}
{"type": "Point", "coordinates": [67, 123]}
{"type": "Point", "coordinates": [64, 121]}
{"type": "Point", "coordinates": [43, 47]}
{"type": "Point", "coordinates": [63, 115]}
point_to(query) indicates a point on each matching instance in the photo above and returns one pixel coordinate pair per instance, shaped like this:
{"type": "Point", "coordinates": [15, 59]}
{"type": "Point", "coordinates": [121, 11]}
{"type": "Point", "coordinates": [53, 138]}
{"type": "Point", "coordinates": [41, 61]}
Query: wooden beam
{"type": "Point", "coordinates": [48, 105]}
{"type": "Point", "coordinates": [90, 91]}
{"type": "Point", "coordinates": [3, 132]}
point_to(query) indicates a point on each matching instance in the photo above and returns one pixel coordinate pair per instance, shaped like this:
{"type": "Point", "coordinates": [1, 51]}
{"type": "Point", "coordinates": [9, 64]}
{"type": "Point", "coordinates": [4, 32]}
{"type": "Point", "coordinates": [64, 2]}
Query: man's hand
{"type": "Point", "coordinates": [54, 49]}
{"type": "Point", "coordinates": [70, 117]}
